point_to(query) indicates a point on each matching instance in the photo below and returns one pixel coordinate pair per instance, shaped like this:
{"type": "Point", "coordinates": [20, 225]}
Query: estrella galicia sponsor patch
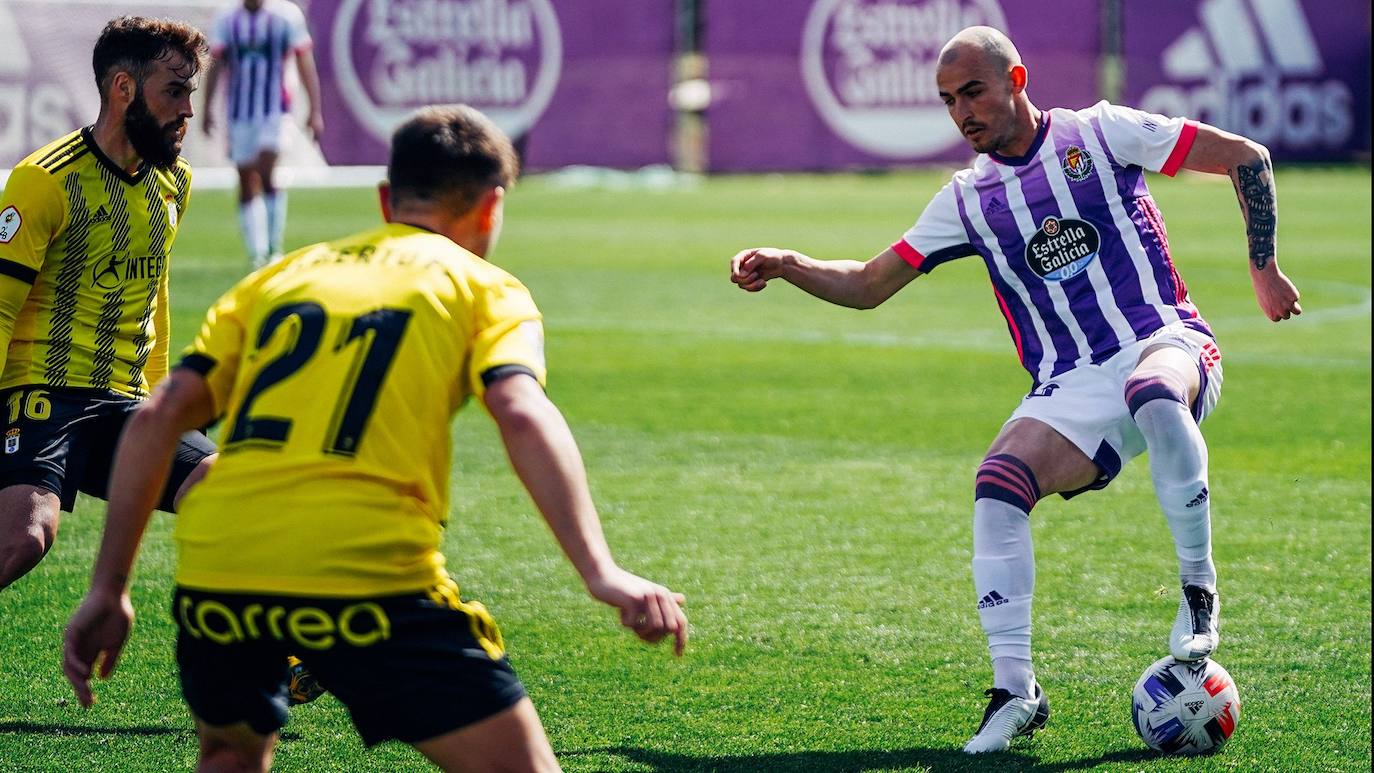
{"type": "Point", "coordinates": [12, 440]}
{"type": "Point", "coordinates": [9, 224]}
{"type": "Point", "coordinates": [1062, 249]}
{"type": "Point", "coordinates": [1077, 163]}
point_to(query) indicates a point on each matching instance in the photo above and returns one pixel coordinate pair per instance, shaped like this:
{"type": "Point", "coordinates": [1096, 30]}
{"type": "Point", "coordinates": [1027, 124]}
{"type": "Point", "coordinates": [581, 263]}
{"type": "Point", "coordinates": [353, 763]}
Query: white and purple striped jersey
{"type": "Point", "coordinates": [255, 46]}
{"type": "Point", "coordinates": [1074, 244]}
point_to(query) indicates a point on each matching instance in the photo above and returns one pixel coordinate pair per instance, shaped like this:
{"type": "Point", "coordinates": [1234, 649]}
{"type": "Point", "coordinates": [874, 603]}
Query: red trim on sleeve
{"type": "Point", "coordinates": [1181, 148]}
{"type": "Point", "coordinates": [909, 254]}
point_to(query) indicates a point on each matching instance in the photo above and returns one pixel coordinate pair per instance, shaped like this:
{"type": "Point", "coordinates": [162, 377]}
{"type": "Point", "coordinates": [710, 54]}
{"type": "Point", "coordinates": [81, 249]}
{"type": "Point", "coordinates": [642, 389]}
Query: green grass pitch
{"type": "Point", "coordinates": [804, 474]}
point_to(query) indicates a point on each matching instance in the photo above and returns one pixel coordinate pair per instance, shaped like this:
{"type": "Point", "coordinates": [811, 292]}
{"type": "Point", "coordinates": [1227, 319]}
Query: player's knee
{"type": "Point", "coordinates": [20, 554]}
{"type": "Point", "coordinates": [1006, 478]}
{"type": "Point", "coordinates": [196, 475]}
{"type": "Point", "coordinates": [1153, 386]}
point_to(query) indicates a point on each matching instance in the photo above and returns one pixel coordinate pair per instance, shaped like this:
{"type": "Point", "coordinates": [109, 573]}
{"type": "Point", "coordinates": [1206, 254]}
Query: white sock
{"type": "Point", "coordinates": [1014, 675]}
{"type": "Point", "coordinates": [276, 221]}
{"type": "Point", "coordinates": [1004, 579]}
{"type": "Point", "coordinates": [1178, 465]}
{"type": "Point", "coordinates": [253, 226]}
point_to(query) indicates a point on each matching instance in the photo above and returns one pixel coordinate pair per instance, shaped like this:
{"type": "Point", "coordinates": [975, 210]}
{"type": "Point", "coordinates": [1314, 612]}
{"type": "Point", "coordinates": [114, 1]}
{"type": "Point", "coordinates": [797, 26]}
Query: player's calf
{"type": "Point", "coordinates": [1178, 468]}
{"type": "Point", "coordinates": [1004, 567]}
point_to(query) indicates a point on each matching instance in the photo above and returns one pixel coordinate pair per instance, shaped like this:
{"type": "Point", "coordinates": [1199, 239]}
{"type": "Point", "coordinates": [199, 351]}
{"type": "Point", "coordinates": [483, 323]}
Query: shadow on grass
{"type": "Point", "coordinates": [38, 728]}
{"type": "Point", "coordinates": [854, 761]}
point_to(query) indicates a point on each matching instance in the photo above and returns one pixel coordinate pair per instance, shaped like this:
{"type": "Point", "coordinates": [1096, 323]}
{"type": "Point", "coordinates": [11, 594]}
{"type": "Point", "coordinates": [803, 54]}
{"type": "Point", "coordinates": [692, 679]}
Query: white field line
{"type": "Point", "coordinates": [967, 341]}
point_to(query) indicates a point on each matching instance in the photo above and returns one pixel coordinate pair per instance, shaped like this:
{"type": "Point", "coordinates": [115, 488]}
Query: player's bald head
{"type": "Point", "coordinates": [979, 47]}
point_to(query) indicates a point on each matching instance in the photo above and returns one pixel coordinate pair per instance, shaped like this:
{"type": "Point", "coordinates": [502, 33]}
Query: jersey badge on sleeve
{"type": "Point", "coordinates": [171, 211]}
{"type": "Point", "coordinates": [1077, 163]}
{"type": "Point", "coordinates": [9, 224]}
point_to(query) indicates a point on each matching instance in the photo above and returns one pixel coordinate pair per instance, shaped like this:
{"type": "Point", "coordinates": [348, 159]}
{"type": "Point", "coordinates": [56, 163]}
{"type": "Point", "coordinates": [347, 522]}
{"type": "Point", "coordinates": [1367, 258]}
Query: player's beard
{"type": "Point", "coordinates": [157, 144]}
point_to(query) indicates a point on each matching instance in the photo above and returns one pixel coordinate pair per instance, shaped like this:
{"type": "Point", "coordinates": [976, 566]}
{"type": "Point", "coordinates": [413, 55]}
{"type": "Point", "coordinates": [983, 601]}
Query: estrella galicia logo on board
{"type": "Point", "coordinates": [1077, 163]}
{"type": "Point", "coordinates": [1062, 249]}
{"type": "Point", "coordinates": [389, 57]}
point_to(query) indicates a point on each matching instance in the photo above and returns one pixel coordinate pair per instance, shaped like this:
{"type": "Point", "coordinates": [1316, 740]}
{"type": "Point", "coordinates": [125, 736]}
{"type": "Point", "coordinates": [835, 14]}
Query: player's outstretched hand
{"type": "Point", "coordinates": [97, 631]}
{"type": "Point", "coordinates": [751, 269]}
{"type": "Point", "coordinates": [647, 608]}
{"type": "Point", "coordinates": [1276, 293]}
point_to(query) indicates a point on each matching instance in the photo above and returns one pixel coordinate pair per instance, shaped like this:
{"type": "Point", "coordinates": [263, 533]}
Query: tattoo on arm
{"type": "Point", "coordinates": [1255, 187]}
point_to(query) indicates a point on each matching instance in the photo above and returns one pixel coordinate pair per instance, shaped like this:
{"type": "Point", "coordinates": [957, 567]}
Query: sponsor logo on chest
{"type": "Point", "coordinates": [1062, 248]}
{"type": "Point", "coordinates": [112, 270]}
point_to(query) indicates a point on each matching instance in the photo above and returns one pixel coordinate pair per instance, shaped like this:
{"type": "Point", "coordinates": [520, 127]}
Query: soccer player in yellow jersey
{"type": "Point", "coordinates": [336, 372]}
{"type": "Point", "coordinates": [86, 227]}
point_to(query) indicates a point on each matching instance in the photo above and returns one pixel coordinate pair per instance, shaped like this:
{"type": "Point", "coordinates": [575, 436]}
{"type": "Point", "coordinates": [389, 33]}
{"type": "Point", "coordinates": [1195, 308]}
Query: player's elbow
{"type": "Point", "coordinates": [1253, 151]}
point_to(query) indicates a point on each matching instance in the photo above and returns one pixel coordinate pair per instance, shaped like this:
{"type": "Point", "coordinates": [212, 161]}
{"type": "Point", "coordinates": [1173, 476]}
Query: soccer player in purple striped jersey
{"type": "Point", "coordinates": [253, 41]}
{"type": "Point", "coordinates": [1120, 359]}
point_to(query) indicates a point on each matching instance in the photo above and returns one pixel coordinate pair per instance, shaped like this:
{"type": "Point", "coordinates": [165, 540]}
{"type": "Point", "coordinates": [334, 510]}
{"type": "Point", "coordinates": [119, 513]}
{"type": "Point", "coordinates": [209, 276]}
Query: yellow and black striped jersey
{"type": "Point", "coordinates": [336, 372]}
{"type": "Point", "coordinates": [93, 241]}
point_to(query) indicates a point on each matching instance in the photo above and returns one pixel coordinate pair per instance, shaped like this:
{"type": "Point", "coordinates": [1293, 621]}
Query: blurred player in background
{"type": "Point", "coordinates": [338, 370]}
{"type": "Point", "coordinates": [86, 230]}
{"type": "Point", "coordinates": [1120, 359]}
{"type": "Point", "coordinates": [253, 41]}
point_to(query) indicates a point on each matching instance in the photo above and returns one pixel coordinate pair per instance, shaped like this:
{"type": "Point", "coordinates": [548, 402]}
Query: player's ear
{"type": "Point", "coordinates": [123, 87]}
{"type": "Point", "coordinates": [384, 198]}
{"type": "Point", "coordinates": [1019, 78]}
{"type": "Point", "coordinates": [489, 209]}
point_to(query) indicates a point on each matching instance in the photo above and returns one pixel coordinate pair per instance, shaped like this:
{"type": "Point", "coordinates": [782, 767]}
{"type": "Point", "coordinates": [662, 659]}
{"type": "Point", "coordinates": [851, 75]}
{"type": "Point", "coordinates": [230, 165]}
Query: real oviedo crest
{"type": "Point", "coordinates": [1062, 248]}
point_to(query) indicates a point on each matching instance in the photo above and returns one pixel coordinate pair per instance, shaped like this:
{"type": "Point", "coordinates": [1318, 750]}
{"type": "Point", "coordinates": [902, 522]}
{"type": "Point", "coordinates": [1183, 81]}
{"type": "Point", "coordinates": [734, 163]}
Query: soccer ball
{"type": "Point", "coordinates": [1185, 708]}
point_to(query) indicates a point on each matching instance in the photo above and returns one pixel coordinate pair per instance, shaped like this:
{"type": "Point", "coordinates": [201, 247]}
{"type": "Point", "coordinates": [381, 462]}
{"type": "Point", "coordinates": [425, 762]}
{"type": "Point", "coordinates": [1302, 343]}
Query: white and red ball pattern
{"type": "Point", "coordinates": [1185, 708]}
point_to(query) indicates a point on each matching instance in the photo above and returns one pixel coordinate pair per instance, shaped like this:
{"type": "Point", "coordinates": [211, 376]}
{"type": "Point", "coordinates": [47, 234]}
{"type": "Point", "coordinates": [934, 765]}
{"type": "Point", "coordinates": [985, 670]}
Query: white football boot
{"type": "Point", "coordinates": [1195, 636]}
{"type": "Point", "coordinates": [1006, 717]}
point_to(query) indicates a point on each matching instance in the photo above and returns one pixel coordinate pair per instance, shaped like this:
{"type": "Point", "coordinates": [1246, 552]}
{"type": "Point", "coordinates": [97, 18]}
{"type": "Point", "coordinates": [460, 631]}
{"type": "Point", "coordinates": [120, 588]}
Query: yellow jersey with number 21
{"type": "Point", "coordinates": [337, 371]}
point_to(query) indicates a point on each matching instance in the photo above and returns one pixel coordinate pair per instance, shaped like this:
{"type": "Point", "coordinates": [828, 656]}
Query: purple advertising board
{"type": "Point", "coordinates": [1291, 75]}
{"type": "Point", "coordinates": [574, 81]}
{"type": "Point", "coordinates": [825, 84]}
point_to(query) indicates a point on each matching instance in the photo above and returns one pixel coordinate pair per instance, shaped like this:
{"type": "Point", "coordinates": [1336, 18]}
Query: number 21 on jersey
{"type": "Point", "coordinates": [370, 339]}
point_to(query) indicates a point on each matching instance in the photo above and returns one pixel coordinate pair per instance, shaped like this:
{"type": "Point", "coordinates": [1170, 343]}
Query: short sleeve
{"type": "Point", "coordinates": [220, 33]}
{"type": "Point", "coordinates": [32, 209]}
{"type": "Point", "coordinates": [218, 347]}
{"type": "Point", "coordinates": [507, 331]}
{"type": "Point", "coordinates": [297, 33]}
{"type": "Point", "coordinates": [938, 236]}
{"type": "Point", "coordinates": [1136, 138]}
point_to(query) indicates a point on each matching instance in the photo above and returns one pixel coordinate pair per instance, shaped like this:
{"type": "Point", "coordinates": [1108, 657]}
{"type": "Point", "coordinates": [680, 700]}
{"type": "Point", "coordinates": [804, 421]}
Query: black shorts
{"type": "Point", "coordinates": [64, 440]}
{"type": "Point", "coordinates": [408, 667]}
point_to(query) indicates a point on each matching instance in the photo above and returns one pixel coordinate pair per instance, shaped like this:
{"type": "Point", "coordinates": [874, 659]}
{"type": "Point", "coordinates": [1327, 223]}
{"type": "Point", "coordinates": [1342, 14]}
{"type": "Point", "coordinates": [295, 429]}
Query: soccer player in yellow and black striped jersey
{"type": "Point", "coordinates": [86, 226]}
{"type": "Point", "coordinates": [336, 372]}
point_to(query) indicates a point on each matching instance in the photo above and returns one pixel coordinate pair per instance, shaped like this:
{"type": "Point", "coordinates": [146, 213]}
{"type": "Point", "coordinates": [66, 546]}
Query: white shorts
{"type": "Point", "coordinates": [1087, 405]}
{"type": "Point", "coordinates": [248, 139]}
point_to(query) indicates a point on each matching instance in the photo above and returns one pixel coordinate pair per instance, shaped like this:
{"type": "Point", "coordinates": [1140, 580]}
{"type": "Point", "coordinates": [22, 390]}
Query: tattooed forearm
{"type": "Point", "coordinates": [1255, 188]}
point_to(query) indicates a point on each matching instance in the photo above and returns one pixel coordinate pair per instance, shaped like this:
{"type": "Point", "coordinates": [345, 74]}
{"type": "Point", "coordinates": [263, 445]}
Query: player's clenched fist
{"type": "Point", "coordinates": [751, 269]}
{"type": "Point", "coordinates": [650, 610]}
{"type": "Point", "coordinates": [1276, 293]}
